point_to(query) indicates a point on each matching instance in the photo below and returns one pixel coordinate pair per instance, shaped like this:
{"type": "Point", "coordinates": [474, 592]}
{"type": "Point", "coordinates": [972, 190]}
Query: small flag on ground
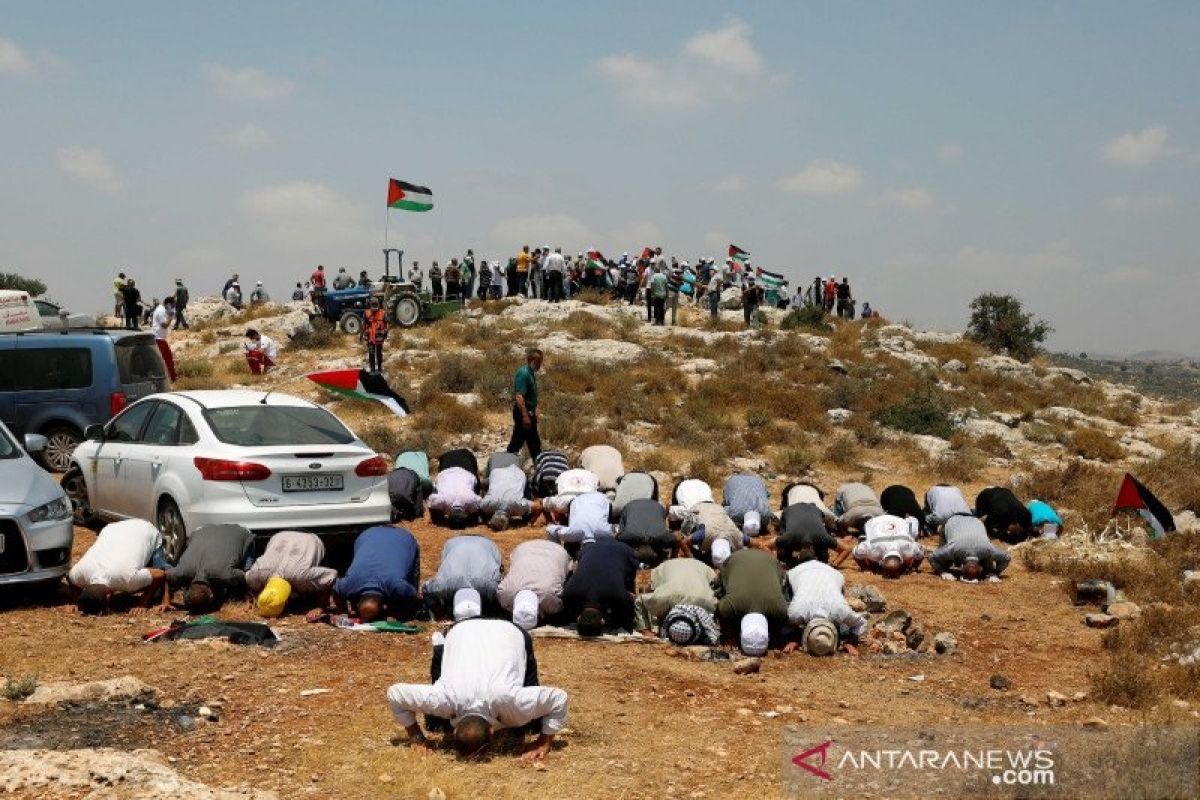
{"type": "Point", "coordinates": [361, 385]}
{"type": "Point", "coordinates": [738, 254]}
{"type": "Point", "coordinates": [1133, 496]}
{"type": "Point", "coordinates": [408, 196]}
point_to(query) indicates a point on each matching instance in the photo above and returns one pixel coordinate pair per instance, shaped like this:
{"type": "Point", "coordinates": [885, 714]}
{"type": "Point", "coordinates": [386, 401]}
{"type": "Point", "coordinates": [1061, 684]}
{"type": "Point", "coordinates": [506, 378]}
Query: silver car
{"type": "Point", "coordinates": [36, 527]}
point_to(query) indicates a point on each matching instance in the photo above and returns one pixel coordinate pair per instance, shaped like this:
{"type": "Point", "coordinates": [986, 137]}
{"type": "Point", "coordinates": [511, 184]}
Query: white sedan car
{"type": "Point", "coordinates": [270, 462]}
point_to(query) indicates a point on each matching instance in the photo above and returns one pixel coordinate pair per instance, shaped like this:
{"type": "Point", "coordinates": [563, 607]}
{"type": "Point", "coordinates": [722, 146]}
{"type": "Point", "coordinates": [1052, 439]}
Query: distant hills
{"type": "Point", "coordinates": [1144, 356]}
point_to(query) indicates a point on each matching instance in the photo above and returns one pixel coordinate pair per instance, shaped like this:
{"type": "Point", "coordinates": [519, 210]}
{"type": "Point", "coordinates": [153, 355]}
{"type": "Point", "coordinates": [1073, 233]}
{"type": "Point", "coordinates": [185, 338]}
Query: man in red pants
{"type": "Point", "coordinates": [160, 323]}
{"type": "Point", "coordinates": [261, 352]}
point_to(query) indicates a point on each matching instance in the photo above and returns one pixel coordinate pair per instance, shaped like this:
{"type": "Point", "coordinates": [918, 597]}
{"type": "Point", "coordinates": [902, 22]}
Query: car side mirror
{"type": "Point", "coordinates": [94, 433]}
{"type": "Point", "coordinates": [35, 443]}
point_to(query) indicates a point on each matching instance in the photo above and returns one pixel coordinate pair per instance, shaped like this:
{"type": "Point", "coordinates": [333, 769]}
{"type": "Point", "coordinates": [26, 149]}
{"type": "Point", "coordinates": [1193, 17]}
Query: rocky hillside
{"type": "Point", "coordinates": [855, 400]}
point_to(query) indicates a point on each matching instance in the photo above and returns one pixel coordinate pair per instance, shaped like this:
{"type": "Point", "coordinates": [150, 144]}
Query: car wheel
{"type": "Point", "coordinates": [352, 324]}
{"type": "Point", "coordinates": [60, 445]}
{"type": "Point", "coordinates": [407, 311]}
{"type": "Point", "coordinates": [173, 530]}
{"type": "Point", "coordinates": [75, 486]}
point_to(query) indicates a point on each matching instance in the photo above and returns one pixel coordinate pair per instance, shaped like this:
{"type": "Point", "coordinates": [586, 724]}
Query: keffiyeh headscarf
{"type": "Point", "coordinates": [687, 625]}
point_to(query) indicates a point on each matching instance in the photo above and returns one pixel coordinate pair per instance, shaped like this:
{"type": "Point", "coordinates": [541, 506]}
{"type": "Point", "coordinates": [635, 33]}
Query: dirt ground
{"type": "Point", "coordinates": [642, 721]}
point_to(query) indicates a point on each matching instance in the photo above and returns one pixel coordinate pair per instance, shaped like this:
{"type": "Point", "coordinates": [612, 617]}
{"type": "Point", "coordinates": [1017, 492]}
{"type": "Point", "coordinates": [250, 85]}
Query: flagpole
{"type": "Point", "coordinates": [386, 215]}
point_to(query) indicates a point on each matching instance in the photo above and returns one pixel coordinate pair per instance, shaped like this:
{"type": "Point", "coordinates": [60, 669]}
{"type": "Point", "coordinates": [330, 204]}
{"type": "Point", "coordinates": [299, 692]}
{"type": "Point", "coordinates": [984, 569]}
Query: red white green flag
{"type": "Point", "coordinates": [408, 196]}
{"type": "Point", "coordinates": [738, 254]}
{"type": "Point", "coordinates": [361, 385]}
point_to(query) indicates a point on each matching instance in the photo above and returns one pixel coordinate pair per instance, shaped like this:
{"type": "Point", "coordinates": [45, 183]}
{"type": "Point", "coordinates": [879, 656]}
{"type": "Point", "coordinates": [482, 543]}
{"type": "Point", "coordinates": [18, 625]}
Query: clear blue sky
{"type": "Point", "coordinates": [928, 150]}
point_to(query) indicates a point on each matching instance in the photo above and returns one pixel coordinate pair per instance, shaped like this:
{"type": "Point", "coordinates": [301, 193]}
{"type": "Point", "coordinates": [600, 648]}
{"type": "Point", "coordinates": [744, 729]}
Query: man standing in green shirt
{"type": "Point", "coordinates": [181, 301]}
{"type": "Point", "coordinates": [525, 402]}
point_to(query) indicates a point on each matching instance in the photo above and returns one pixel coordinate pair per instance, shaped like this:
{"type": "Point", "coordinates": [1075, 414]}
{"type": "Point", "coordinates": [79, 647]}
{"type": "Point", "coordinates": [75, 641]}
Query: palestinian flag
{"type": "Point", "coordinates": [596, 261]}
{"type": "Point", "coordinates": [770, 280]}
{"type": "Point", "coordinates": [1133, 496]}
{"type": "Point", "coordinates": [408, 196]}
{"type": "Point", "coordinates": [738, 254]}
{"type": "Point", "coordinates": [361, 385]}
{"type": "Point", "coordinates": [647, 253]}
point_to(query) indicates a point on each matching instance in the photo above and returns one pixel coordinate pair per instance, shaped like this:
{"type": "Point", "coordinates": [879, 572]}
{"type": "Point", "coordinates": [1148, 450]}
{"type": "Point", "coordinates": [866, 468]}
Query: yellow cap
{"type": "Point", "coordinates": [274, 596]}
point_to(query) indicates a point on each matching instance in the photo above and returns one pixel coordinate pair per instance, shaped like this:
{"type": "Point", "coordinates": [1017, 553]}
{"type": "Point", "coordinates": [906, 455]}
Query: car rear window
{"type": "Point", "coordinates": [45, 369]}
{"type": "Point", "coordinates": [271, 426]}
{"type": "Point", "coordinates": [138, 360]}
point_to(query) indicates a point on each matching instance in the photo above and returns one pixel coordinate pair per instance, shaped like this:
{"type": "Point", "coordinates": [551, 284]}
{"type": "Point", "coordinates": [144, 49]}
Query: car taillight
{"type": "Point", "coordinates": [217, 469]}
{"type": "Point", "coordinates": [372, 467]}
{"type": "Point", "coordinates": [116, 403]}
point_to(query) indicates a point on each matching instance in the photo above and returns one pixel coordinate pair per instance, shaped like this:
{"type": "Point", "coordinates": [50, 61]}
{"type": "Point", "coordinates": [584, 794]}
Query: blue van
{"type": "Point", "coordinates": [57, 383]}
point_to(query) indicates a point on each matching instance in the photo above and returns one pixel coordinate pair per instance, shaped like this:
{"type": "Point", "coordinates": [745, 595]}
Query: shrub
{"type": "Point", "coordinates": [960, 466]}
{"type": "Point", "coordinates": [1096, 444]}
{"type": "Point", "coordinates": [923, 411]}
{"type": "Point", "coordinates": [811, 318]}
{"type": "Point", "coordinates": [194, 368]}
{"type": "Point", "coordinates": [594, 297]}
{"type": "Point", "coordinates": [586, 325]}
{"type": "Point", "coordinates": [1087, 487]}
{"type": "Point", "coordinates": [796, 461]}
{"type": "Point", "coordinates": [843, 450]}
{"type": "Point", "coordinates": [18, 690]}
{"type": "Point", "coordinates": [1175, 476]}
{"type": "Point", "coordinates": [322, 336]}
{"type": "Point", "coordinates": [384, 436]}
{"type": "Point", "coordinates": [999, 323]}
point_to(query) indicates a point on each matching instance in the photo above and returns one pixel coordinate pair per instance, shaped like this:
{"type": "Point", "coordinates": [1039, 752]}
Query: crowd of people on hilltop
{"type": "Point", "coordinates": [652, 279]}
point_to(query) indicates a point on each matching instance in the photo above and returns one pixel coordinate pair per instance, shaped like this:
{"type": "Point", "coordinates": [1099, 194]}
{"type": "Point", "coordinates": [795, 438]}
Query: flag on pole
{"type": "Point", "coordinates": [1133, 496]}
{"type": "Point", "coordinates": [361, 385]}
{"type": "Point", "coordinates": [738, 254]}
{"type": "Point", "coordinates": [408, 196]}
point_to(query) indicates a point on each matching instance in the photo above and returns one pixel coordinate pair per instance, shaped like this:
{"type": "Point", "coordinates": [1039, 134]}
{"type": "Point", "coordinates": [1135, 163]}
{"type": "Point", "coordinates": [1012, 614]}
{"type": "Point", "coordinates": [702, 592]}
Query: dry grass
{"type": "Point", "coordinates": [1096, 444]}
{"type": "Point", "coordinates": [966, 351]}
{"type": "Point", "coordinates": [990, 444]}
{"type": "Point", "coordinates": [322, 336]}
{"type": "Point", "coordinates": [1175, 476]}
{"type": "Point", "coordinates": [1085, 487]}
{"type": "Point", "coordinates": [240, 318]}
{"type": "Point", "coordinates": [585, 325]}
{"type": "Point", "coordinates": [959, 466]}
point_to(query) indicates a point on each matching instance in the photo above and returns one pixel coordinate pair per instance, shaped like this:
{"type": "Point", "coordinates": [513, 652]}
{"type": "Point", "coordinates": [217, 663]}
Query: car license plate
{"type": "Point", "coordinates": [312, 483]}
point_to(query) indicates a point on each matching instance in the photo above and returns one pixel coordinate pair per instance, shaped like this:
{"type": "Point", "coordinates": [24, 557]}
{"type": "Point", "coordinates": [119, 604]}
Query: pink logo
{"type": "Point", "coordinates": [821, 750]}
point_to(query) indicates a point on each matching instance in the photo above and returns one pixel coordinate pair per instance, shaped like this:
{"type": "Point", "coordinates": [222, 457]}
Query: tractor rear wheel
{"type": "Point", "coordinates": [407, 310]}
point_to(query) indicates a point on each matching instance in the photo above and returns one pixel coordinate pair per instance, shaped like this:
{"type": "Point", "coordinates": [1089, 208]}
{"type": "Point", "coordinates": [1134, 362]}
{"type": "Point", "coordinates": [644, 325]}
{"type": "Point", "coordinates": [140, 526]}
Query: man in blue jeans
{"type": "Point", "coordinates": [525, 401]}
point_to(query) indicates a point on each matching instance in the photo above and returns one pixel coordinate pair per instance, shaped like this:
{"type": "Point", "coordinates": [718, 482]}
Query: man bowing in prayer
{"type": "Point", "coordinates": [484, 679]}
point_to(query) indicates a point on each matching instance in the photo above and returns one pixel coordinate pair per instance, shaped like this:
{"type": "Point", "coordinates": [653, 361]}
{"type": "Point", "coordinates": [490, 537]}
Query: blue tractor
{"type": "Point", "coordinates": [405, 305]}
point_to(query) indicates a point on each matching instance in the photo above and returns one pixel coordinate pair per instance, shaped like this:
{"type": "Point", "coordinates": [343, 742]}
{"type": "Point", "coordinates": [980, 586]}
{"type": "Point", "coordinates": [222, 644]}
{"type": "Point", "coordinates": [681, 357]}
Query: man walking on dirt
{"type": "Point", "coordinates": [525, 401]}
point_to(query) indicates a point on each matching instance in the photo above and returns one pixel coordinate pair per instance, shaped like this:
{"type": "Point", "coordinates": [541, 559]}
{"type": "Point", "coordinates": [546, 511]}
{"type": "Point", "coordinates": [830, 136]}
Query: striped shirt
{"type": "Point", "coordinates": [744, 493]}
{"type": "Point", "coordinates": [548, 466]}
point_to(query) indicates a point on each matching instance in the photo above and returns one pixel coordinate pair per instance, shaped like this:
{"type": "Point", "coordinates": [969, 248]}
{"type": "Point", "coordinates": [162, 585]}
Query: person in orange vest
{"type": "Point", "coordinates": [375, 330]}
